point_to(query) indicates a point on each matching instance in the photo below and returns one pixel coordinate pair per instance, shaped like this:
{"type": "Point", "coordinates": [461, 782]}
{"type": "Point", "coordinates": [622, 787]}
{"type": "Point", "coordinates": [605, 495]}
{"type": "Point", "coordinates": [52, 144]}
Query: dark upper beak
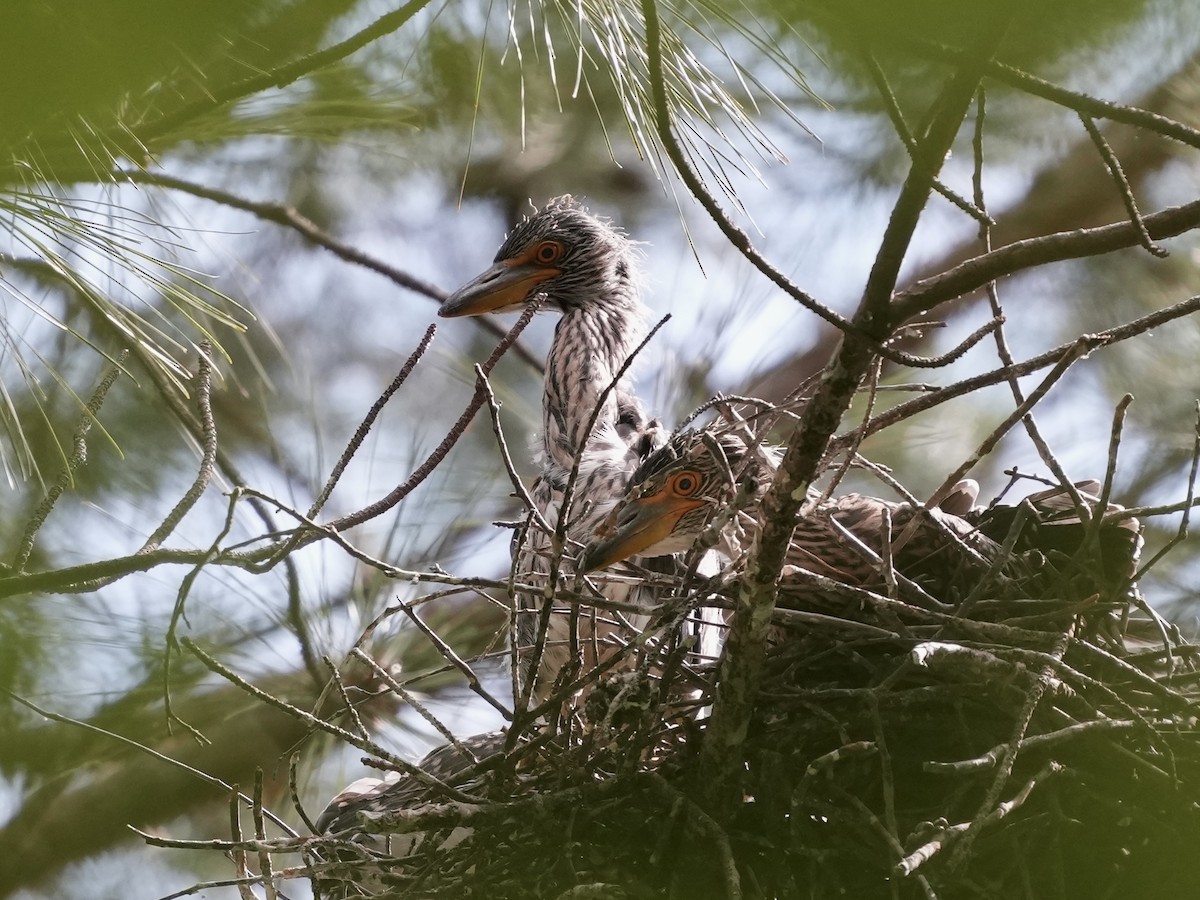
{"type": "Point", "coordinates": [635, 526]}
{"type": "Point", "coordinates": [507, 285]}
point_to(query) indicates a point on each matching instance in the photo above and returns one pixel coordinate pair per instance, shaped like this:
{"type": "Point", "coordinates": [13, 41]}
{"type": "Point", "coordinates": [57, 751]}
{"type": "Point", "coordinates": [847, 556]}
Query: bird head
{"type": "Point", "coordinates": [561, 252]}
{"type": "Point", "coordinates": [673, 495]}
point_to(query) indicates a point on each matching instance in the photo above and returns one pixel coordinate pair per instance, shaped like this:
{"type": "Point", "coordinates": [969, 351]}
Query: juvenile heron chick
{"type": "Point", "coordinates": [376, 857]}
{"type": "Point", "coordinates": [585, 268]}
{"type": "Point", "coordinates": [685, 485]}
{"type": "Point", "coordinates": [689, 482]}
{"type": "Point", "coordinates": [1051, 524]}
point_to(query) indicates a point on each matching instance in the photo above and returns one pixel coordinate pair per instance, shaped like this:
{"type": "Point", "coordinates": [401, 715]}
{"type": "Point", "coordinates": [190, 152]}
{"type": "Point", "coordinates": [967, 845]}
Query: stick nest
{"type": "Point", "coordinates": [1032, 738]}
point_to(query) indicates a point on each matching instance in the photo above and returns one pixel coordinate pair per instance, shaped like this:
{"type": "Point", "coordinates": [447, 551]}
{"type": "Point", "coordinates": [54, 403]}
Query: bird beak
{"type": "Point", "coordinates": [635, 526]}
{"type": "Point", "coordinates": [507, 285]}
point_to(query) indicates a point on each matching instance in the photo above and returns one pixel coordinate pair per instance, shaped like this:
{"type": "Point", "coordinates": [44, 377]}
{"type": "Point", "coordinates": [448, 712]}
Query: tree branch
{"type": "Point", "coordinates": [974, 273]}
{"type": "Point", "coordinates": [740, 671]}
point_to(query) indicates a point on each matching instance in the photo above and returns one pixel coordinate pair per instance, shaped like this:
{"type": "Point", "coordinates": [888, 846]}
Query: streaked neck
{"type": "Point", "coordinates": [590, 346]}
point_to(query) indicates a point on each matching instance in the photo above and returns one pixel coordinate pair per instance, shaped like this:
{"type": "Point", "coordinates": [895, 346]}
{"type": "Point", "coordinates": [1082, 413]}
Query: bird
{"type": "Point", "coordinates": [463, 766]}
{"type": "Point", "coordinates": [587, 269]}
{"type": "Point", "coordinates": [695, 479]}
{"type": "Point", "coordinates": [583, 266]}
{"type": "Point", "coordinates": [677, 491]}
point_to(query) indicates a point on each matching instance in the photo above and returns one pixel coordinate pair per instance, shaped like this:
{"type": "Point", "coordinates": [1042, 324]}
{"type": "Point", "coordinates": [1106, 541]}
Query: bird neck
{"type": "Point", "coordinates": [591, 344]}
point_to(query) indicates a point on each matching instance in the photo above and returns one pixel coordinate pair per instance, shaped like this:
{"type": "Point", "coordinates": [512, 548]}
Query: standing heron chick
{"type": "Point", "coordinates": [584, 267]}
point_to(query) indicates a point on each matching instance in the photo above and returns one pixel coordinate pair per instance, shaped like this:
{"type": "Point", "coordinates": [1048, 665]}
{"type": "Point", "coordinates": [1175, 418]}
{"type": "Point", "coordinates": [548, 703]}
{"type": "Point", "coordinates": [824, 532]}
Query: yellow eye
{"type": "Point", "coordinates": [547, 252]}
{"type": "Point", "coordinates": [684, 484]}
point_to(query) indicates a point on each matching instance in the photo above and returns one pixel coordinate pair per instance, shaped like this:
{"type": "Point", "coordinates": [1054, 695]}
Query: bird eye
{"type": "Point", "coordinates": [548, 252]}
{"type": "Point", "coordinates": [685, 484]}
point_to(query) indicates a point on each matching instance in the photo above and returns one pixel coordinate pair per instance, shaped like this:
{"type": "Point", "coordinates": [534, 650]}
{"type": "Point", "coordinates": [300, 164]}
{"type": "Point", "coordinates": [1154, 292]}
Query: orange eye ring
{"type": "Point", "coordinates": [684, 484]}
{"type": "Point", "coordinates": [547, 252]}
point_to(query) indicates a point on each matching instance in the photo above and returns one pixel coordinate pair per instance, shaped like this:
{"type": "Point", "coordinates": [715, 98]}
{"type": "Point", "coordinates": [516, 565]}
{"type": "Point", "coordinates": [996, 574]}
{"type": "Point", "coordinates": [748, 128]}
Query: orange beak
{"type": "Point", "coordinates": [506, 286]}
{"type": "Point", "coordinates": [645, 525]}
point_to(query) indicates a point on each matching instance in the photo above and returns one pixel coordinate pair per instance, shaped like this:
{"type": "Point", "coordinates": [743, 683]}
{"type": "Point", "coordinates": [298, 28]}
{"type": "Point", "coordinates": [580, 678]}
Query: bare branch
{"type": "Point", "coordinates": [287, 216]}
{"type": "Point", "coordinates": [1018, 256]}
{"type": "Point", "coordinates": [741, 661]}
{"type": "Point", "coordinates": [892, 108]}
{"type": "Point", "coordinates": [208, 455]}
{"type": "Point", "coordinates": [416, 772]}
{"type": "Point", "coordinates": [364, 427]}
{"type": "Point", "coordinates": [439, 453]}
{"type": "Point", "coordinates": [1114, 167]}
{"type": "Point", "coordinates": [940, 395]}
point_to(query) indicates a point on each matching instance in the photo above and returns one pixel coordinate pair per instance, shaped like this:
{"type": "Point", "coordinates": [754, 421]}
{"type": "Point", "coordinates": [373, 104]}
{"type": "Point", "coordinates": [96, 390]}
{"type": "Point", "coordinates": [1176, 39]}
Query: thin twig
{"type": "Point", "coordinates": [223, 786]}
{"type": "Point", "coordinates": [294, 793]}
{"type": "Point", "coordinates": [416, 772]}
{"type": "Point", "coordinates": [735, 236]}
{"type": "Point", "coordinates": [515, 479]}
{"type": "Point", "coordinates": [364, 427]}
{"type": "Point", "coordinates": [971, 275]}
{"type": "Point", "coordinates": [205, 886]}
{"type": "Point", "coordinates": [992, 758]}
{"type": "Point", "coordinates": [1114, 168]}
{"type": "Point", "coordinates": [988, 807]}
{"type": "Point", "coordinates": [1135, 328]}
{"type": "Point", "coordinates": [1187, 505]}
{"type": "Point", "coordinates": [952, 835]}
{"type": "Point", "coordinates": [458, 662]}
{"type": "Point", "coordinates": [1080, 349]}
{"type": "Point", "coordinates": [177, 614]}
{"type": "Point", "coordinates": [407, 697]}
{"type": "Point", "coordinates": [892, 108]}
{"type": "Point", "coordinates": [264, 857]}
{"type": "Point", "coordinates": [439, 453]}
{"type": "Point", "coordinates": [208, 454]}
{"type": "Point", "coordinates": [952, 355]}
{"type": "Point", "coordinates": [347, 704]}
{"type": "Point", "coordinates": [239, 852]}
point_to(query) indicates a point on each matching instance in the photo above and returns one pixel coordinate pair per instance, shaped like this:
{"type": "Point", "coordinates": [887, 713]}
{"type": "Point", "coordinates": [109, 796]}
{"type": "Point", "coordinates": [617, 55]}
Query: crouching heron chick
{"type": "Point", "coordinates": [694, 479]}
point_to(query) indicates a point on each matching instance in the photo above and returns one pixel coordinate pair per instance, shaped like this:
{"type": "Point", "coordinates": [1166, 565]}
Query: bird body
{"type": "Point", "coordinates": [458, 766]}
{"type": "Point", "coordinates": [1053, 524]}
{"type": "Point", "coordinates": [592, 422]}
{"type": "Point", "coordinates": [854, 539]}
{"type": "Point", "coordinates": [676, 492]}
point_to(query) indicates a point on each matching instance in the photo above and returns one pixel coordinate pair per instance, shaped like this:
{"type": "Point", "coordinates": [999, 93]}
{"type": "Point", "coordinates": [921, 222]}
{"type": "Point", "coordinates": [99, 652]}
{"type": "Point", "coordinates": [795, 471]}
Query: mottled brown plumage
{"type": "Point", "coordinates": [1051, 524]}
{"type": "Point", "coordinates": [457, 766]}
{"type": "Point", "coordinates": [682, 487]}
{"type": "Point", "coordinates": [585, 268]}
{"type": "Point", "coordinates": [693, 479]}
{"type": "Point", "coordinates": [350, 814]}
